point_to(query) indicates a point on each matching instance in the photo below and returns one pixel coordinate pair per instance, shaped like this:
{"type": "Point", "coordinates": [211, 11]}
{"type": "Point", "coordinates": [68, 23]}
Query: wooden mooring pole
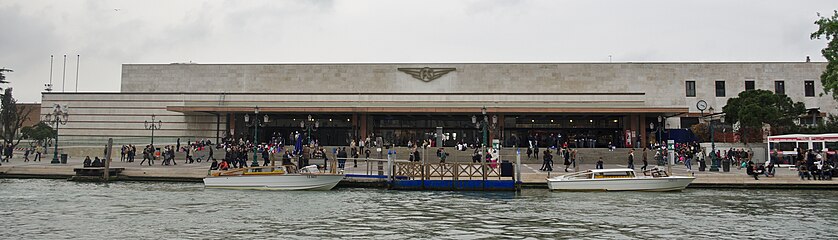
{"type": "Point", "coordinates": [518, 169]}
{"type": "Point", "coordinates": [108, 159]}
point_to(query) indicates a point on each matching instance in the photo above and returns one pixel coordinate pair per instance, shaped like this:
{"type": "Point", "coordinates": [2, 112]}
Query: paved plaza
{"type": "Point", "coordinates": [530, 171]}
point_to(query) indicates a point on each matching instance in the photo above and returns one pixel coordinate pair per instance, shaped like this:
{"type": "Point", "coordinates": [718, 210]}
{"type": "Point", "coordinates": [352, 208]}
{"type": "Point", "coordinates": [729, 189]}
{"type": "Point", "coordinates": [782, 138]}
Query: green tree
{"type": "Point", "coordinates": [40, 132]}
{"type": "Point", "coordinates": [828, 29]}
{"type": "Point", "coordinates": [754, 107]}
{"type": "Point", "coordinates": [12, 118]}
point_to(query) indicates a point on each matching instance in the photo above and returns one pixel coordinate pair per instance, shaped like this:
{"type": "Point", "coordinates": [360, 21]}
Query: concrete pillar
{"type": "Point", "coordinates": [499, 129]}
{"type": "Point", "coordinates": [231, 124]}
{"type": "Point", "coordinates": [355, 124]}
{"type": "Point", "coordinates": [643, 126]}
{"type": "Point", "coordinates": [363, 121]}
{"type": "Point", "coordinates": [635, 130]}
{"type": "Point", "coordinates": [626, 120]}
{"type": "Point", "coordinates": [631, 125]}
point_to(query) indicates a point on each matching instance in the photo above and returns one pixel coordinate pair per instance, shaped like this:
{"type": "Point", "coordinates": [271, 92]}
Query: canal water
{"type": "Point", "coordinates": [58, 209]}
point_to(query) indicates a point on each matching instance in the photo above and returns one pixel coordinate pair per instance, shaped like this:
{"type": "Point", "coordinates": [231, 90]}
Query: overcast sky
{"type": "Point", "coordinates": [109, 33]}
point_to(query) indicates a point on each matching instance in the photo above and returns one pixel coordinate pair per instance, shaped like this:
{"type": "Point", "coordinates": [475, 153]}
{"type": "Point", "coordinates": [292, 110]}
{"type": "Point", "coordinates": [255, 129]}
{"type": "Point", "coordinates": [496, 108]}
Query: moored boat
{"type": "Point", "coordinates": [274, 178]}
{"type": "Point", "coordinates": [621, 179]}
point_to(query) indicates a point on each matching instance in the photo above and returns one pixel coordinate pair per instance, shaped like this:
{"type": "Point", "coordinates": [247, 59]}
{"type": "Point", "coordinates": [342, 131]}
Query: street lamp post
{"type": "Point", "coordinates": [484, 126]}
{"type": "Point", "coordinates": [660, 126]}
{"type": "Point", "coordinates": [256, 122]}
{"type": "Point", "coordinates": [152, 125]}
{"type": "Point", "coordinates": [57, 117]}
{"type": "Point", "coordinates": [715, 164]}
{"type": "Point", "coordinates": [309, 124]}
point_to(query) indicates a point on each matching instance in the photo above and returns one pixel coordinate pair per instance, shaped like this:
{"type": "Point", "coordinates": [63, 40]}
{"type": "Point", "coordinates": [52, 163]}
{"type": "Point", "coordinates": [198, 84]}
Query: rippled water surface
{"type": "Point", "coordinates": [57, 209]}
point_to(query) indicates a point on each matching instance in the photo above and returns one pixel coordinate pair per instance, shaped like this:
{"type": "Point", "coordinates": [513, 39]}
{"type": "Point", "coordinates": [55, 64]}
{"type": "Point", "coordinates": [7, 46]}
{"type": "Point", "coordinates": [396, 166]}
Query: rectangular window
{"type": "Point", "coordinates": [786, 146]}
{"type": "Point", "coordinates": [749, 85]}
{"type": "Point", "coordinates": [810, 88]}
{"type": "Point", "coordinates": [780, 87]}
{"type": "Point", "coordinates": [690, 88]}
{"type": "Point", "coordinates": [817, 146]}
{"type": "Point", "coordinates": [720, 88]}
{"type": "Point", "coordinates": [803, 145]}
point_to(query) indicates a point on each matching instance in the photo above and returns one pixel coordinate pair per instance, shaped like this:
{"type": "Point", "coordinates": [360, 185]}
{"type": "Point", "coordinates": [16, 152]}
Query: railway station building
{"type": "Point", "coordinates": [584, 104]}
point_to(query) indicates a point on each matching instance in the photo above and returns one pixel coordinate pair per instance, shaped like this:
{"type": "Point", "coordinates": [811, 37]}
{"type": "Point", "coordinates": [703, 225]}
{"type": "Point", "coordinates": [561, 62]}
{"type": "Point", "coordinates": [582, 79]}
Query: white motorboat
{"type": "Point", "coordinates": [621, 179]}
{"type": "Point", "coordinates": [274, 178]}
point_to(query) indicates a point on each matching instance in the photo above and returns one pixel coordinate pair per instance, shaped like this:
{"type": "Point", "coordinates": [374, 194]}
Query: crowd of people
{"type": "Point", "coordinates": [237, 152]}
{"type": "Point", "coordinates": [8, 151]}
{"type": "Point", "coordinates": [563, 152]}
{"type": "Point", "coordinates": [811, 164]}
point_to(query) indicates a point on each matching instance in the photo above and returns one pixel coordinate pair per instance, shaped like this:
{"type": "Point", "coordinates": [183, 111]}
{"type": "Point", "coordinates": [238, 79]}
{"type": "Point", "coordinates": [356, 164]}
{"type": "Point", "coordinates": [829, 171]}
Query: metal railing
{"type": "Point", "coordinates": [447, 171]}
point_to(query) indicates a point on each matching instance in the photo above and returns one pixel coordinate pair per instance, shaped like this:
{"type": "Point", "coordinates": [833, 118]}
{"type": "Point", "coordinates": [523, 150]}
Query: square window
{"type": "Point", "coordinates": [780, 87]}
{"type": "Point", "coordinates": [720, 88]}
{"type": "Point", "coordinates": [809, 87]}
{"type": "Point", "coordinates": [690, 88]}
{"type": "Point", "coordinates": [749, 85]}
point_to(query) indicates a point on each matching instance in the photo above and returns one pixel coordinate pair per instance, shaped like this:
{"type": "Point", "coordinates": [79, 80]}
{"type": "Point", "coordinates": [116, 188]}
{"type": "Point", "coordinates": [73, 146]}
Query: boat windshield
{"type": "Point", "coordinates": [620, 174]}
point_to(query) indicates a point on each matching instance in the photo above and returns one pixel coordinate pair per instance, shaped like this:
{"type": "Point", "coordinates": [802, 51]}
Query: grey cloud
{"type": "Point", "coordinates": [160, 31]}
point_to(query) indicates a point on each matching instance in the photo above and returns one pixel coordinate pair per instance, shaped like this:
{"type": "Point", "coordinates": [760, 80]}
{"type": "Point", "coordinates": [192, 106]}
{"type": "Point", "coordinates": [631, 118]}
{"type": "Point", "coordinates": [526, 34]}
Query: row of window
{"type": "Point", "coordinates": [779, 88]}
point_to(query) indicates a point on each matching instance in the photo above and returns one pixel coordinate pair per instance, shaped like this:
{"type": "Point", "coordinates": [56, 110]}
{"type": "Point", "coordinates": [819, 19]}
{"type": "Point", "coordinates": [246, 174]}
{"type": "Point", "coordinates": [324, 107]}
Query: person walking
{"type": "Point", "coordinates": [171, 153]}
{"type": "Point", "coordinates": [645, 160]}
{"type": "Point", "coordinates": [442, 155]}
{"type": "Point", "coordinates": [26, 154]}
{"type": "Point", "coordinates": [548, 161]}
{"type": "Point", "coordinates": [188, 157]}
{"type": "Point", "coordinates": [341, 155]}
{"type": "Point", "coordinates": [265, 156]}
{"type": "Point", "coordinates": [38, 151]}
{"type": "Point", "coordinates": [210, 153]}
{"type": "Point", "coordinates": [529, 153]}
{"type": "Point", "coordinates": [544, 163]}
{"type": "Point", "coordinates": [688, 162]}
{"type": "Point", "coordinates": [122, 153]}
{"type": "Point", "coordinates": [7, 152]}
{"type": "Point", "coordinates": [243, 158]}
{"type": "Point", "coordinates": [167, 157]}
{"type": "Point", "coordinates": [361, 145]}
{"type": "Point", "coordinates": [147, 155]}
{"type": "Point", "coordinates": [416, 156]}
{"type": "Point", "coordinates": [566, 156]}
{"type": "Point", "coordinates": [132, 155]}
{"type": "Point", "coordinates": [631, 159]}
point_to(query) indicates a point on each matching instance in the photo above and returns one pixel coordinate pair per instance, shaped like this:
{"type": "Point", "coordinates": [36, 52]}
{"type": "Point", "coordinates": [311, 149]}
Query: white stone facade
{"type": "Point", "coordinates": [165, 90]}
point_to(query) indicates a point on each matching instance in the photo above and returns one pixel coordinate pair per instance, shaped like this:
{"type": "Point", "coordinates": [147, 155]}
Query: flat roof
{"type": "Point", "coordinates": [470, 62]}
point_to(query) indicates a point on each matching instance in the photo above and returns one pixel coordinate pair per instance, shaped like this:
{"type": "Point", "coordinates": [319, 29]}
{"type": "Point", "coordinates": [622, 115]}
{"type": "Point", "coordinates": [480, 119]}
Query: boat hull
{"type": "Point", "coordinates": [321, 182]}
{"type": "Point", "coordinates": [673, 183]}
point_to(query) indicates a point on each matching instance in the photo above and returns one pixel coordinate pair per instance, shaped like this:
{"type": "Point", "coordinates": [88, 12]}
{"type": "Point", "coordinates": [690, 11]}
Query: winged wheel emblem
{"type": "Point", "coordinates": [426, 74]}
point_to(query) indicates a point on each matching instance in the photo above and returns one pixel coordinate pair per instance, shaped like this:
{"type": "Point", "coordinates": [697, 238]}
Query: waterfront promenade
{"type": "Point", "coordinates": [531, 176]}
